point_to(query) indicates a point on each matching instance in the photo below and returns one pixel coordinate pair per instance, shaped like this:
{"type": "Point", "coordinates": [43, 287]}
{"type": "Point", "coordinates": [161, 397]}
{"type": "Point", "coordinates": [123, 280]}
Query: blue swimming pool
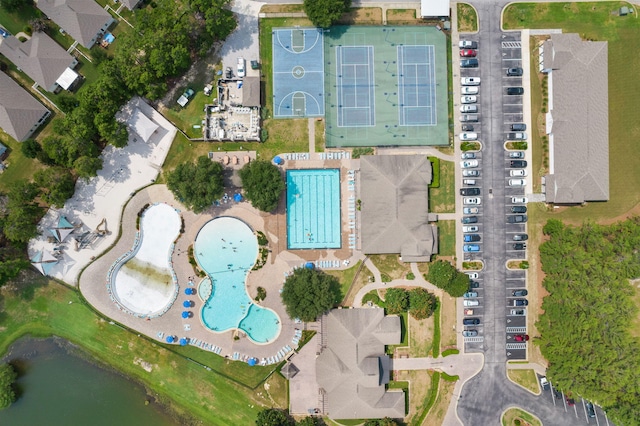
{"type": "Point", "coordinates": [226, 249]}
{"type": "Point", "coordinates": [313, 209]}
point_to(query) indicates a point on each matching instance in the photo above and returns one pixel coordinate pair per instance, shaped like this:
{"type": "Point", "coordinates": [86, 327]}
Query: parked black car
{"type": "Point", "coordinates": [518, 163]}
{"type": "Point", "coordinates": [471, 321]}
{"type": "Point", "coordinates": [517, 218]}
{"type": "Point", "coordinates": [518, 127]}
{"type": "Point", "coordinates": [520, 302]}
{"type": "Point", "coordinates": [520, 293]}
{"type": "Point", "coordinates": [469, 191]}
{"type": "Point", "coordinates": [469, 219]}
{"type": "Point", "coordinates": [514, 90]}
{"type": "Point", "coordinates": [474, 284]}
{"type": "Point", "coordinates": [519, 246]}
{"type": "Point", "coordinates": [469, 63]}
{"type": "Point", "coordinates": [518, 209]}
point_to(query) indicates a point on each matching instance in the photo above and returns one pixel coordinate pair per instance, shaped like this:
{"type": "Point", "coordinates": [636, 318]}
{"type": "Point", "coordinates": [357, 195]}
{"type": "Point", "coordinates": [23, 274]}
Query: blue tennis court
{"type": "Point", "coordinates": [355, 84]}
{"type": "Point", "coordinates": [313, 209]}
{"type": "Point", "coordinates": [298, 72]}
{"type": "Point", "coordinates": [416, 86]}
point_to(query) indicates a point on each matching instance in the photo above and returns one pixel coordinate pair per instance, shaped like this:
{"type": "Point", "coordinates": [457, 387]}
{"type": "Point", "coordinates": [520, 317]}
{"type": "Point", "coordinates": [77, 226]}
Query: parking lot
{"type": "Point", "coordinates": [499, 186]}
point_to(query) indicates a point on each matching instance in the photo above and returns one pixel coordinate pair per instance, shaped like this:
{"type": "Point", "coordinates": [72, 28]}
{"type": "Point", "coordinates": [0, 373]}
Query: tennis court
{"type": "Point", "coordinates": [385, 86]}
{"type": "Point", "coordinates": [298, 72]}
{"type": "Point", "coordinates": [355, 86]}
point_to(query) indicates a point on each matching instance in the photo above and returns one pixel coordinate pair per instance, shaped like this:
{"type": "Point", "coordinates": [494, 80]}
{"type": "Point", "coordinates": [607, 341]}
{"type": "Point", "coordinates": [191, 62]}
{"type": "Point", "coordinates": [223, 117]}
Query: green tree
{"type": "Point", "coordinates": [30, 148]}
{"type": "Point", "coordinates": [274, 417]}
{"type": "Point", "coordinates": [310, 421]}
{"type": "Point", "coordinates": [8, 376]}
{"type": "Point", "coordinates": [197, 185]}
{"type": "Point", "coordinates": [10, 268]}
{"type": "Point", "coordinates": [87, 166]}
{"type": "Point", "coordinates": [307, 293]}
{"type": "Point", "coordinates": [444, 275]}
{"type": "Point", "coordinates": [14, 5]}
{"type": "Point", "coordinates": [56, 185]}
{"type": "Point", "coordinates": [396, 300]}
{"type": "Point", "coordinates": [422, 304]}
{"type": "Point", "coordinates": [262, 184]}
{"type": "Point", "coordinates": [324, 13]}
{"type": "Point", "coordinates": [381, 422]}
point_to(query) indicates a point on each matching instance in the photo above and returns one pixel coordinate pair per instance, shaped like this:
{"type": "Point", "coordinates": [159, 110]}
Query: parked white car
{"type": "Point", "coordinates": [470, 81]}
{"type": "Point", "coordinates": [471, 302]}
{"type": "Point", "coordinates": [241, 67]}
{"type": "Point", "coordinates": [469, 99]}
{"type": "Point", "coordinates": [469, 163]}
{"type": "Point", "coordinates": [470, 228]}
{"type": "Point", "coordinates": [469, 90]}
{"type": "Point", "coordinates": [468, 155]}
{"type": "Point", "coordinates": [472, 200]}
{"type": "Point", "coordinates": [517, 173]}
{"type": "Point", "coordinates": [470, 210]}
{"type": "Point", "coordinates": [519, 200]}
{"type": "Point", "coordinates": [468, 136]}
{"type": "Point", "coordinates": [473, 275]}
{"type": "Point", "coordinates": [517, 182]}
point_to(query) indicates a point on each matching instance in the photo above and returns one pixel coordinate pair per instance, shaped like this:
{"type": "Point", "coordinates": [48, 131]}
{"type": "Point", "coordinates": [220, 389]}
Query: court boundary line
{"type": "Point", "coordinates": [319, 37]}
{"type": "Point", "coordinates": [432, 107]}
{"type": "Point", "coordinates": [293, 93]}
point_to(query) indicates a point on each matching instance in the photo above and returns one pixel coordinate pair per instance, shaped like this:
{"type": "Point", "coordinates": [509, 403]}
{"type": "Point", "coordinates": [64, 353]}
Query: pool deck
{"type": "Point", "coordinates": [281, 261]}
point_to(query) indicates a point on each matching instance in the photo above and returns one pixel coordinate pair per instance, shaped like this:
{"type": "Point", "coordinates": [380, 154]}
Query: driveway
{"type": "Point", "coordinates": [243, 42]}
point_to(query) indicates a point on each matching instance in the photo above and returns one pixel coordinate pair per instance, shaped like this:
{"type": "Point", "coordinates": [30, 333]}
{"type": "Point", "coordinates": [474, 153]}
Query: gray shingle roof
{"type": "Point", "coordinates": [130, 4]}
{"type": "Point", "coordinates": [82, 19]}
{"type": "Point", "coordinates": [579, 120]}
{"type": "Point", "coordinates": [395, 204]}
{"type": "Point", "coordinates": [19, 111]}
{"type": "Point", "coordinates": [40, 57]}
{"type": "Point", "coordinates": [353, 368]}
{"type": "Point", "coordinates": [251, 91]}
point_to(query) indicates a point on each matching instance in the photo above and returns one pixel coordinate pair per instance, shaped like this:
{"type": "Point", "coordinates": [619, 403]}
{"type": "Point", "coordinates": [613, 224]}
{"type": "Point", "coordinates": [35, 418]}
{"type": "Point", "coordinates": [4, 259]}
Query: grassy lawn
{"type": "Point", "coordinates": [442, 199]}
{"type": "Point", "coordinates": [390, 265]}
{"type": "Point", "coordinates": [19, 166]}
{"type": "Point", "coordinates": [319, 129]}
{"type": "Point", "coordinates": [420, 336]}
{"type": "Point", "coordinates": [511, 415]}
{"type": "Point", "coordinates": [467, 18]}
{"type": "Point", "coordinates": [538, 120]}
{"type": "Point", "coordinates": [15, 22]}
{"type": "Point", "coordinates": [361, 16]}
{"type": "Point", "coordinates": [597, 21]}
{"type": "Point", "coordinates": [437, 413]}
{"type": "Point", "coordinates": [446, 238]}
{"type": "Point", "coordinates": [525, 378]}
{"type": "Point", "coordinates": [635, 329]}
{"type": "Point", "coordinates": [345, 277]}
{"type": "Point", "coordinates": [419, 388]}
{"type": "Point", "coordinates": [42, 309]}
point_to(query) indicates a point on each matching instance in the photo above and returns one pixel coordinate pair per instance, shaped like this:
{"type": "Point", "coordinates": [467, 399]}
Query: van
{"type": "Point", "coordinates": [517, 136]}
{"type": "Point", "coordinates": [469, 108]}
{"type": "Point", "coordinates": [241, 67]}
{"type": "Point", "coordinates": [470, 118]}
{"type": "Point", "coordinates": [471, 302]}
{"type": "Point", "coordinates": [470, 81]}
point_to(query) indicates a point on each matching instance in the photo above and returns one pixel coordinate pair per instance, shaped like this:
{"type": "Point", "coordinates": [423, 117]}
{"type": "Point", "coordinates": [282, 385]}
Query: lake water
{"type": "Point", "coordinates": [58, 388]}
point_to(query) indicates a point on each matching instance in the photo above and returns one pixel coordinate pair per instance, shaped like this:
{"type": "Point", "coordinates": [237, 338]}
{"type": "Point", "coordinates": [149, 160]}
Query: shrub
{"type": "Point", "coordinates": [422, 304]}
{"type": "Point", "coordinates": [397, 300]}
{"type": "Point", "coordinates": [385, 278]}
{"type": "Point", "coordinates": [411, 276]}
{"type": "Point", "coordinates": [262, 294]}
{"type": "Point", "coordinates": [435, 167]}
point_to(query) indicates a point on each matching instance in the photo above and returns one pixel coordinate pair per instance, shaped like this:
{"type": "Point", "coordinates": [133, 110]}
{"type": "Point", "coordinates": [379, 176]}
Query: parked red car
{"type": "Point", "coordinates": [521, 337]}
{"type": "Point", "coordinates": [467, 53]}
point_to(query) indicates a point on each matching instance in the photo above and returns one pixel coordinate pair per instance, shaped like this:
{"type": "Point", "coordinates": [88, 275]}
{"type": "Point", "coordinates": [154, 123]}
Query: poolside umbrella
{"type": "Point", "coordinates": [252, 362]}
{"type": "Point", "coordinates": [188, 291]}
{"type": "Point", "coordinates": [277, 160]}
{"type": "Point", "coordinates": [187, 303]}
{"type": "Point", "coordinates": [183, 342]}
{"type": "Point", "coordinates": [238, 197]}
{"type": "Point", "coordinates": [309, 265]}
{"type": "Point", "coordinates": [170, 339]}
{"type": "Point", "coordinates": [185, 314]}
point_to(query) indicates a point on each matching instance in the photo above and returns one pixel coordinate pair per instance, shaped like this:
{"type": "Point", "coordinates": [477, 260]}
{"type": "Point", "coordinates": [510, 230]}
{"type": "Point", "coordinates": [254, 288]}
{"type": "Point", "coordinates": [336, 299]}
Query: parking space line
{"type": "Point", "coordinates": [584, 408]}
{"type": "Point", "coordinates": [552, 396]}
{"type": "Point", "coordinates": [564, 401]}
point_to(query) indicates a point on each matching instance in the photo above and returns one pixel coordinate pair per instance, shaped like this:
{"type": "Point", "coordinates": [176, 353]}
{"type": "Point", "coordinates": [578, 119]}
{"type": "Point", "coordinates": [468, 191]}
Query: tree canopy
{"type": "Point", "coordinates": [323, 13]}
{"type": "Point", "coordinates": [422, 304]}
{"type": "Point", "coordinates": [8, 376]}
{"type": "Point", "coordinates": [307, 293]}
{"type": "Point", "coordinates": [444, 275]}
{"type": "Point", "coordinates": [397, 300]}
{"type": "Point", "coordinates": [197, 185]}
{"type": "Point", "coordinates": [56, 185]}
{"type": "Point", "coordinates": [589, 312]}
{"type": "Point", "coordinates": [23, 213]}
{"type": "Point", "coordinates": [262, 184]}
{"type": "Point", "coordinates": [274, 417]}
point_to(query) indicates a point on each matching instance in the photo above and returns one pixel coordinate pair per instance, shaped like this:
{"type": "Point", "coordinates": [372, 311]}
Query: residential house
{"type": "Point", "coordinates": [85, 20]}
{"type": "Point", "coordinates": [20, 113]}
{"type": "Point", "coordinates": [42, 59]}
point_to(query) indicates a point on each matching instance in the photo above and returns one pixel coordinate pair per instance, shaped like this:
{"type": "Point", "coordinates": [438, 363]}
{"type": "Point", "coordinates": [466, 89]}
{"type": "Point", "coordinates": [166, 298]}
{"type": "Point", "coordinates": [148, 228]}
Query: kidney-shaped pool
{"type": "Point", "coordinates": [226, 248]}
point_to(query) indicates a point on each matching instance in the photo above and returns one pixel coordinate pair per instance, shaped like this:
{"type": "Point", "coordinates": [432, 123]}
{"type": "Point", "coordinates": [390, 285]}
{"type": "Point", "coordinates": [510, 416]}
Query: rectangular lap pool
{"type": "Point", "coordinates": [313, 209]}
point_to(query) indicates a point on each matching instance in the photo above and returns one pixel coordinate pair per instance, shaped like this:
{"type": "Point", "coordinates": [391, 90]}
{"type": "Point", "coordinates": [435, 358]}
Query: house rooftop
{"type": "Point", "coordinates": [578, 120]}
{"type": "Point", "coordinates": [395, 205]}
{"type": "Point", "coordinates": [19, 111]}
{"type": "Point", "coordinates": [82, 19]}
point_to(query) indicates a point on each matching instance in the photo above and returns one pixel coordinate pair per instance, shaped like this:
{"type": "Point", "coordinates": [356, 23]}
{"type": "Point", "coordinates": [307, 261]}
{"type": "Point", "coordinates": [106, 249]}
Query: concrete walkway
{"type": "Point", "coordinates": [311, 123]}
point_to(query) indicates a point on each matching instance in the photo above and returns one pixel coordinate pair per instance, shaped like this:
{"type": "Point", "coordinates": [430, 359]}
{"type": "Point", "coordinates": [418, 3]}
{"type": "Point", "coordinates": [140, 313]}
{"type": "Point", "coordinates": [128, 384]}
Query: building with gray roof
{"type": "Point", "coordinates": [85, 20]}
{"type": "Point", "coordinates": [395, 203]}
{"type": "Point", "coordinates": [353, 369]}
{"type": "Point", "coordinates": [130, 4]}
{"type": "Point", "coordinates": [20, 113]}
{"type": "Point", "coordinates": [578, 119]}
{"type": "Point", "coordinates": [40, 57]}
